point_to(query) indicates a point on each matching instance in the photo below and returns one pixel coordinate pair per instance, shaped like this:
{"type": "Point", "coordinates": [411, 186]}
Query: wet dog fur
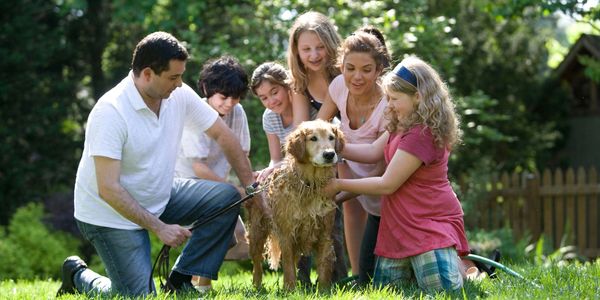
{"type": "Point", "coordinates": [302, 217]}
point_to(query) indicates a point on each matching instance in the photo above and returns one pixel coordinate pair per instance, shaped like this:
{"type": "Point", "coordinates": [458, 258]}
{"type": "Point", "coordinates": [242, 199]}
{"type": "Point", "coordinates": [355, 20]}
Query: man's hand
{"type": "Point", "coordinates": [173, 235]}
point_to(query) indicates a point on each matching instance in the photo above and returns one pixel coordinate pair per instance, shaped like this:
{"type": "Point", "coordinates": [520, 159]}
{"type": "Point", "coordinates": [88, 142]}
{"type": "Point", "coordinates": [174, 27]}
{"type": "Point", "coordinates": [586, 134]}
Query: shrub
{"type": "Point", "coordinates": [28, 250]}
{"type": "Point", "coordinates": [484, 242]}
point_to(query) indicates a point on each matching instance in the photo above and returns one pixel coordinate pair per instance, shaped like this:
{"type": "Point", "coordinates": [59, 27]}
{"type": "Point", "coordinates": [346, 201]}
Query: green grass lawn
{"type": "Point", "coordinates": [562, 281]}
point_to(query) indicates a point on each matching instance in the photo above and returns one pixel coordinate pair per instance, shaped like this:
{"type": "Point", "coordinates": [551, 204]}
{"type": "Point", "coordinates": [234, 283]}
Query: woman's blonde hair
{"type": "Point", "coordinates": [320, 25]}
{"type": "Point", "coordinates": [435, 108]}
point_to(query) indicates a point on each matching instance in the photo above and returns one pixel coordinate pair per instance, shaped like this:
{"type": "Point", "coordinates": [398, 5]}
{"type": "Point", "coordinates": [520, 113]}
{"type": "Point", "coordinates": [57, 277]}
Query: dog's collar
{"type": "Point", "coordinates": [306, 184]}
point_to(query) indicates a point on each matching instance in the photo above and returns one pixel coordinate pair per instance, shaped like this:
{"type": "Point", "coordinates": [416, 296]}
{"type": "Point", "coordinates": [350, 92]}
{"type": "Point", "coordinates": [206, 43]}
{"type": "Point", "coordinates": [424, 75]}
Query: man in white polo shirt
{"type": "Point", "coordinates": [125, 186]}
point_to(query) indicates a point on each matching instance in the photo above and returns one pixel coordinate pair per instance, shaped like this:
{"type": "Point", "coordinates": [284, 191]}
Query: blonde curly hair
{"type": "Point", "coordinates": [435, 109]}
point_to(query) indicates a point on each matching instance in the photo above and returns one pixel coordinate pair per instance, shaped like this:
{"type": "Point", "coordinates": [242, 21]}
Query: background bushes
{"type": "Point", "coordinates": [29, 250]}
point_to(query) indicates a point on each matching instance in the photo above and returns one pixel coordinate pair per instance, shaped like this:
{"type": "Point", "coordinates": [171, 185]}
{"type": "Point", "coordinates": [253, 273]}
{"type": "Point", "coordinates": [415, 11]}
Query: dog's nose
{"type": "Point", "coordinates": [329, 155]}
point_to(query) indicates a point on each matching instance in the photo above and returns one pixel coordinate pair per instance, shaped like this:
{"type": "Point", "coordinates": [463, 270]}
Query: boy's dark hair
{"type": "Point", "coordinates": [225, 76]}
{"type": "Point", "coordinates": [156, 50]}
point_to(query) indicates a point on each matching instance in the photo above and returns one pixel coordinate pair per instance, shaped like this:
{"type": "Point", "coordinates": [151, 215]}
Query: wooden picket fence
{"type": "Point", "coordinates": [556, 204]}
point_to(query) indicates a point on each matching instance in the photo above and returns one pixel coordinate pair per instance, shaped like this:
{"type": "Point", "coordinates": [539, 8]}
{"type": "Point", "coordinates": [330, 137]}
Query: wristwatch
{"type": "Point", "coordinates": [251, 189]}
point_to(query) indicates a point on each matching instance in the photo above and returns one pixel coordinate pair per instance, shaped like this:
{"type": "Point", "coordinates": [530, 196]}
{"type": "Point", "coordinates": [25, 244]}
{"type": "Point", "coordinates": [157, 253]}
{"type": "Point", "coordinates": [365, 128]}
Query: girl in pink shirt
{"type": "Point", "coordinates": [421, 234]}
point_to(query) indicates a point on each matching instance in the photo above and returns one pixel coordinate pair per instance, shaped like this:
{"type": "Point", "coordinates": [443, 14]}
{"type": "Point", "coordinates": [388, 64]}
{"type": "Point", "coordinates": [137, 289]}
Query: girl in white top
{"type": "Point", "coordinates": [356, 94]}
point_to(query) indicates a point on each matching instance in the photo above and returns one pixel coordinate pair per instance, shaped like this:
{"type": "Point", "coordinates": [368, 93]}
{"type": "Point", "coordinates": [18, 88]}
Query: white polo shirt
{"type": "Point", "coordinates": [121, 126]}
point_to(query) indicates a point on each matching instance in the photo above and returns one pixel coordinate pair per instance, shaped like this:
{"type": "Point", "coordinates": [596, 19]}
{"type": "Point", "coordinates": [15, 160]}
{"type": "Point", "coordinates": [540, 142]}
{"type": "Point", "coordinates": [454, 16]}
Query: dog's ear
{"type": "Point", "coordinates": [340, 139]}
{"type": "Point", "coordinates": [296, 145]}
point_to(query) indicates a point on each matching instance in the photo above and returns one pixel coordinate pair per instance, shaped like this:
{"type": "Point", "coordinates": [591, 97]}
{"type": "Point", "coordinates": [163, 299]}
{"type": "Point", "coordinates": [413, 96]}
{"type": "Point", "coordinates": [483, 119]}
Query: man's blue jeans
{"type": "Point", "coordinates": [126, 253]}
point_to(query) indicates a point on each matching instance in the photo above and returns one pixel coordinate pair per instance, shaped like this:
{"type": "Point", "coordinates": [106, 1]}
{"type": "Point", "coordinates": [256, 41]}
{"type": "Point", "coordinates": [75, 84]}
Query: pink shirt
{"type": "Point", "coordinates": [366, 133]}
{"type": "Point", "coordinates": [424, 213]}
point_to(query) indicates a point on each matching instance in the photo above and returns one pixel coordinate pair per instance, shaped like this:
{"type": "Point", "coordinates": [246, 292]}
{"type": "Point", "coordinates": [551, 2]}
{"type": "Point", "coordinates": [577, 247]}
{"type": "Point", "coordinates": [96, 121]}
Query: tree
{"type": "Point", "coordinates": [492, 53]}
{"type": "Point", "coordinates": [40, 111]}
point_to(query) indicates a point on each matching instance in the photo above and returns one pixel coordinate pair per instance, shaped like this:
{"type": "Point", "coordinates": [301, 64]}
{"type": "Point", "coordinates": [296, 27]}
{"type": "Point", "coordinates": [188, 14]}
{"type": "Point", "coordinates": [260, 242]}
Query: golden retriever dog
{"type": "Point", "coordinates": [302, 217]}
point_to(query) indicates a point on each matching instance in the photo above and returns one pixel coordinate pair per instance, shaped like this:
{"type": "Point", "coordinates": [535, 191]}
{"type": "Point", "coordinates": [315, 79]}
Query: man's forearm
{"type": "Point", "coordinates": [119, 199]}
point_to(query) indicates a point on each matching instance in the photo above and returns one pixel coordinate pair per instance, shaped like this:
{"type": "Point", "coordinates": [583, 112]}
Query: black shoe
{"type": "Point", "coordinates": [495, 257]}
{"type": "Point", "coordinates": [491, 270]}
{"type": "Point", "coordinates": [176, 283]}
{"type": "Point", "coordinates": [71, 265]}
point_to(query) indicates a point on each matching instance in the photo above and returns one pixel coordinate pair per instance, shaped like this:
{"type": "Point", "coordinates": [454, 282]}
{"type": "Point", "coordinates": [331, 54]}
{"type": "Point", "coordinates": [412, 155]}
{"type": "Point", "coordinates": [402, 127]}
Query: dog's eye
{"type": "Point", "coordinates": [331, 138]}
{"type": "Point", "coordinates": [313, 138]}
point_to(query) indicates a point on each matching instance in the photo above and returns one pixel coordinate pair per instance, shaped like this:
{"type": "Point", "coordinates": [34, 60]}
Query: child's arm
{"type": "Point", "coordinates": [203, 171]}
{"type": "Point", "coordinates": [366, 153]}
{"type": "Point", "coordinates": [402, 166]}
{"type": "Point", "coordinates": [328, 109]}
{"type": "Point", "coordinates": [300, 108]}
{"type": "Point", "coordinates": [275, 154]}
{"type": "Point", "coordinates": [274, 148]}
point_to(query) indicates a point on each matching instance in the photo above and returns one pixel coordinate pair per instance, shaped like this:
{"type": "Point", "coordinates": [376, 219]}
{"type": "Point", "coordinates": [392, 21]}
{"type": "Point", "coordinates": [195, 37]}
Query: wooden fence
{"type": "Point", "coordinates": [556, 204]}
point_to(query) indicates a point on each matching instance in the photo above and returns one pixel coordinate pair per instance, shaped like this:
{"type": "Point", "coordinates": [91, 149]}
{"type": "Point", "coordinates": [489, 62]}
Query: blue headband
{"type": "Point", "coordinates": [405, 74]}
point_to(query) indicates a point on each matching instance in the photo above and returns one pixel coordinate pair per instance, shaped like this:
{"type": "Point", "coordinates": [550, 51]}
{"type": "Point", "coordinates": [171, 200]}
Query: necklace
{"type": "Point", "coordinates": [364, 110]}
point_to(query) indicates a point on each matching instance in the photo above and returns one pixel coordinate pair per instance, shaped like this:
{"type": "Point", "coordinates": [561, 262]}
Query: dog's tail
{"type": "Point", "coordinates": [273, 252]}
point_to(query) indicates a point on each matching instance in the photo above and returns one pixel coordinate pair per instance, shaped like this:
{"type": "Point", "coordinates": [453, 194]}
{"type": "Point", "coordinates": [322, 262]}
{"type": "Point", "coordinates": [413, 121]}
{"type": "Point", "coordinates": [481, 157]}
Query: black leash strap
{"type": "Point", "coordinates": [162, 263]}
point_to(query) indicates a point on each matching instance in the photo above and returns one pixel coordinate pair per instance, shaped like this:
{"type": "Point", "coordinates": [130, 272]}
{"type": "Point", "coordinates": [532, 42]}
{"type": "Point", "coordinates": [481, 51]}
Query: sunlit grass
{"type": "Point", "coordinates": [570, 281]}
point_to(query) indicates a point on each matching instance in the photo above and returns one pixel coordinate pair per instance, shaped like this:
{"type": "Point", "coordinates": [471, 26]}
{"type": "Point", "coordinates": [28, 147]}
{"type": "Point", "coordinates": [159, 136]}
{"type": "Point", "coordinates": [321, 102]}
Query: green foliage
{"type": "Point", "coordinates": [493, 55]}
{"type": "Point", "coordinates": [484, 242]}
{"type": "Point", "coordinates": [28, 250]}
{"type": "Point", "coordinates": [41, 118]}
{"type": "Point", "coordinates": [481, 128]}
{"type": "Point", "coordinates": [592, 68]}
{"type": "Point", "coordinates": [542, 253]}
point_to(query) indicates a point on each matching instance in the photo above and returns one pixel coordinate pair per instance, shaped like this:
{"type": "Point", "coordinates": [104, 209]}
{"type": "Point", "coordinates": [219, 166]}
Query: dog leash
{"type": "Point", "coordinates": [162, 263]}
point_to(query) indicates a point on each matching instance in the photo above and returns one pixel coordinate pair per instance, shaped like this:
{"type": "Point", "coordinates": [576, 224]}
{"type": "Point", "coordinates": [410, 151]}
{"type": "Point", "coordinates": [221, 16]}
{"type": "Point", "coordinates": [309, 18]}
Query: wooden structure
{"type": "Point", "coordinates": [584, 120]}
{"type": "Point", "coordinates": [584, 92]}
{"type": "Point", "coordinates": [556, 204]}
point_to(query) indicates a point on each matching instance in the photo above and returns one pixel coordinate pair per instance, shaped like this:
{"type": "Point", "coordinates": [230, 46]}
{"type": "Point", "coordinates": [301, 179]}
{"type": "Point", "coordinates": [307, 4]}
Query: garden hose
{"type": "Point", "coordinates": [498, 265]}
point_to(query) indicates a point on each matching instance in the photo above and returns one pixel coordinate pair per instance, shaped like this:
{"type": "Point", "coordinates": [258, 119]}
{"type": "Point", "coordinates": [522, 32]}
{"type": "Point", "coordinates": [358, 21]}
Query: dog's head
{"type": "Point", "coordinates": [317, 142]}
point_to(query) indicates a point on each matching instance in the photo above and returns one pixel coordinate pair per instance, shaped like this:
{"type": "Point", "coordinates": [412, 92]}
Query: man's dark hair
{"type": "Point", "coordinates": [156, 50]}
{"type": "Point", "coordinates": [225, 76]}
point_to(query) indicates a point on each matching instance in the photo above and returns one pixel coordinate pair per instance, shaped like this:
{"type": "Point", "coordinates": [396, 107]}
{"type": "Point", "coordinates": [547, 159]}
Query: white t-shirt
{"type": "Point", "coordinates": [194, 145]}
{"type": "Point", "coordinates": [122, 127]}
